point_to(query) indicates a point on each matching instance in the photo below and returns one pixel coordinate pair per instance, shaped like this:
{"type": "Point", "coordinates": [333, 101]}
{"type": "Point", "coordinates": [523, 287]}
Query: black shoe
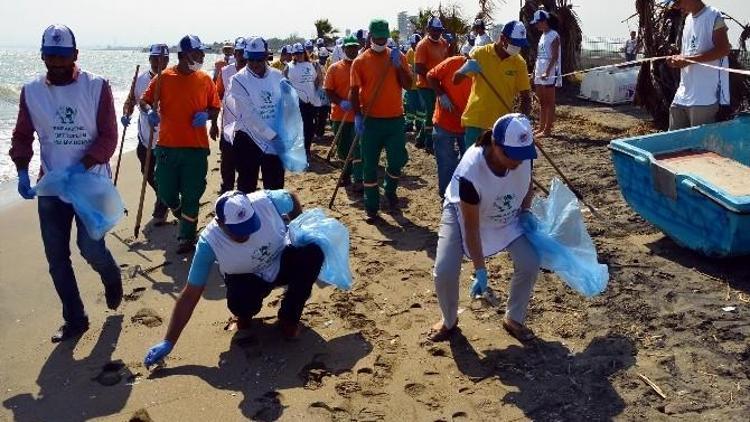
{"type": "Point", "coordinates": [67, 332]}
{"type": "Point", "coordinates": [419, 144]}
{"type": "Point", "coordinates": [392, 202]}
{"type": "Point", "coordinates": [371, 217]}
{"type": "Point", "coordinates": [429, 150]}
{"type": "Point", "coordinates": [185, 247]}
{"type": "Point", "coordinates": [345, 182]}
{"type": "Point", "coordinates": [358, 187]}
{"type": "Point", "coordinates": [113, 294]}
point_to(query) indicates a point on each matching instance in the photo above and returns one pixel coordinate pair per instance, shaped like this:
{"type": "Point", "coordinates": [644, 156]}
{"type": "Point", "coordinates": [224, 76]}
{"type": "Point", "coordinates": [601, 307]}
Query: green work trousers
{"type": "Point", "coordinates": [414, 109]}
{"type": "Point", "coordinates": [354, 169]}
{"type": "Point", "coordinates": [424, 136]}
{"type": "Point", "coordinates": [379, 134]}
{"type": "Point", "coordinates": [181, 180]}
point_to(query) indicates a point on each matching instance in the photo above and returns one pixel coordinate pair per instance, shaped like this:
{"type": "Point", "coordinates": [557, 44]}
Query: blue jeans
{"type": "Point", "coordinates": [56, 220]}
{"type": "Point", "coordinates": [446, 155]}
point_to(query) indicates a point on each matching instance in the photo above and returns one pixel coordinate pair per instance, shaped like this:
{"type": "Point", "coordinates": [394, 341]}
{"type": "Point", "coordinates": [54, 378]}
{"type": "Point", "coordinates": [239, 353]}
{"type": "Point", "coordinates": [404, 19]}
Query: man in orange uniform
{"type": "Point", "coordinates": [337, 85]}
{"type": "Point", "coordinates": [187, 100]}
{"type": "Point", "coordinates": [448, 134]}
{"type": "Point", "coordinates": [432, 50]}
{"type": "Point", "coordinates": [378, 77]}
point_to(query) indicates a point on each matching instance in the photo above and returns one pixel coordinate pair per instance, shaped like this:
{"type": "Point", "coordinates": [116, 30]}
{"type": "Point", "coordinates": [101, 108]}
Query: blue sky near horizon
{"type": "Point", "coordinates": [140, 22]}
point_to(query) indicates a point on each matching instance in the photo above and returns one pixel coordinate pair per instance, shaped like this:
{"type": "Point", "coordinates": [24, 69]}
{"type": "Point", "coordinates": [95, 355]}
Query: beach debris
{"type": "Point", "coordinates": [653, 386]}
{"type": "Point", "coordinates": [111, 374]}
{"type": "Point", "coordinates": [140, 415]}
{"type": "Point", "coordinates": [147, 317]}
{"type": "Point", "coordinates": [729, 308]}
{"type": "Point", "coordinates": [135, 294]}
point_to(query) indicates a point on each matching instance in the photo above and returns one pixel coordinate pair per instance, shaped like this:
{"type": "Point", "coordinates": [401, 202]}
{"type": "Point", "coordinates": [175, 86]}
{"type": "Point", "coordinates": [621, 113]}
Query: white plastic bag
{"type": "Point", "coordinates": [289, 127]}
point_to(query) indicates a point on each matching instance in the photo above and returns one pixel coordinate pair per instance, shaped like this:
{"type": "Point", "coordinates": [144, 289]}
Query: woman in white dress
{"type": "Point", "coordinates": [547, 71]}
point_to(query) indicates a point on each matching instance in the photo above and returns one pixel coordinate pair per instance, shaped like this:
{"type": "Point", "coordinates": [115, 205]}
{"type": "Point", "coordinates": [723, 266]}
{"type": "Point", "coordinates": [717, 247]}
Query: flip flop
{"type": "Point", "coordinates": [524, 334]}
{"type": "Point", "coordinates": [443, 334]}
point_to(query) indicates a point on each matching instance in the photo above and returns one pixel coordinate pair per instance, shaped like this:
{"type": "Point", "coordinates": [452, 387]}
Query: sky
{"type": "Point", "coordinates": [139, 22]}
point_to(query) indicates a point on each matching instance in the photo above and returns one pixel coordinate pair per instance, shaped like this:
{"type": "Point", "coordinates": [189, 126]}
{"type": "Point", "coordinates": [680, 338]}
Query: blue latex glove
{"type": "Point", "coordinates": [479, 286]}
{"type": "Point", "coordinates": [200, 118]}
{"type": "Point", "coordinates": [471, 66]}
{"type": "Point", "coordinates": [157, 353]}
{"type": "Point", "coordinates": [446, 103]}
{"type": "Point", "coordinates": [528, 221]}
{"type": "Point", "coordinates": [125, 120]}
{"type": "Point", "coordinates": [395, 57]}
{"type": "Point", "coordinates": [77, 168]}
{"type": "Point", "coordinates": [346, 105]}
{"type": "Point", "coordinates": [359, 124]}
{"type": "Point", "coordinates": [153, 118]}
{"type": "Point", "coordinates": [24, 185]}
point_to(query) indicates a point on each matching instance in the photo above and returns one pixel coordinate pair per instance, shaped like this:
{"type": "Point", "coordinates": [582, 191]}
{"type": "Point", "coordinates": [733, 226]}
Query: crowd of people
{"type": "Point", "coordinates": [459, 102]}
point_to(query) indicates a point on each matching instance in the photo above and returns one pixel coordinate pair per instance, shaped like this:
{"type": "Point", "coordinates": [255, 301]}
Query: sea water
{"type": "Point", "coordinates": [18, 66]}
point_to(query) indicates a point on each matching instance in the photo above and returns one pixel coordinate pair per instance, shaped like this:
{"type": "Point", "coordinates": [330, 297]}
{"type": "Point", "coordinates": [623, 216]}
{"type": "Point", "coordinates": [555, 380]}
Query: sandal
{"type": "Point", "coordinates": [443, 333]}
{"type": "Point", "coordinates": [522, 334]}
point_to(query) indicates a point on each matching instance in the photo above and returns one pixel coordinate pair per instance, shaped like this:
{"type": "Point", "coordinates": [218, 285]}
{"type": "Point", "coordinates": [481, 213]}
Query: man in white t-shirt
{"type": "Point", "coordinates": [631, 47]}
{"type": "Point", "coordinates": [702, 89]}
{"type": "Point", "coordinates": [158, 58]}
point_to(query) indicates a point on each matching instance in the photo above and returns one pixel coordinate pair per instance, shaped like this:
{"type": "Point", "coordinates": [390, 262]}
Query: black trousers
{"type": "Point", "coordinates": [309, 113]}
{"type": "Point", "coordinates": [160, 209]}
{"type": "Point", "coordinates": [249, 159]}
{"type": "Point", "coordinates": [300, 268]}
{"type": "Point", "coordinates": [228, 166]}
{"type": "Point", "coordinates": [321, 119]}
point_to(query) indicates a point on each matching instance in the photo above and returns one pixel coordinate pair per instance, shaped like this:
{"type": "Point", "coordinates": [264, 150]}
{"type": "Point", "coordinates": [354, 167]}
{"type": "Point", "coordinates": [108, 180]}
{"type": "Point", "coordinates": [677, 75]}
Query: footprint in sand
{"type": "Point", "coordinates": [347, 389]}
{"type": "Point", "coordinates": [135, 294]}
{"type": "Point", "coordinates": [147, 317]}
{"type": "Point", "coordinates": [313, 374]}
{"type": "Point", "coordinates": [321, 409]}
{"type": "Point", "coordinates": [414, 389]}
{"type": "Point", "coordinates": [112, 373]}
{"type": "Point", "coordinates": [460, 416]}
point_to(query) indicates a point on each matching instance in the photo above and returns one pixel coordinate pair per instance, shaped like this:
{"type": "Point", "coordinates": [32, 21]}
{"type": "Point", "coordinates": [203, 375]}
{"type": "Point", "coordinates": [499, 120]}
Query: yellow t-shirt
{"type": "Point", "coordinates": [278, 64]}
{"type": "Point", "coordinates": [410, 56]}
{"type": "Point", "coordinates": [509, 77]}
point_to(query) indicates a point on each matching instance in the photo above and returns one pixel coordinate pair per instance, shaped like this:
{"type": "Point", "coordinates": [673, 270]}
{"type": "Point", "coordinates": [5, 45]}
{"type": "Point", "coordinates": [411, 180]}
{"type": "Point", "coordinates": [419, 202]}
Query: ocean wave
{"type": "Point", "coordinates": [10, 93]}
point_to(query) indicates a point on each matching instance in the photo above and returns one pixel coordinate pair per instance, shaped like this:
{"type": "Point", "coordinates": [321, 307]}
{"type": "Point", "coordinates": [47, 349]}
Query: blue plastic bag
{"type": "Point", "coordinates": [559, 235]}
{"type": "Point", "coordinates": [288, 125]}
{"type": "Point", "coordinates": [332, 237]}
{"type": "Point", "coordinates": [93, 196]}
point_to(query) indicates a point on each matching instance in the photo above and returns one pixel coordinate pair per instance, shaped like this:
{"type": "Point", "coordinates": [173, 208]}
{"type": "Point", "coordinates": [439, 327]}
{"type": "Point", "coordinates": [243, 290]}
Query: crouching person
{"type": "Point", "coordinates": [248, 240]}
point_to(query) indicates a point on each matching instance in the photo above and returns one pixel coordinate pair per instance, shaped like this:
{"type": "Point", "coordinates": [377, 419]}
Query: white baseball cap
{"type": "Point", "coordinates": [240, 43]}
{"type": "Point", "coordinates": [434, 23]}
{"type": "Point", "coordinates": [513, 133]}
{"type": "Point", "coordinates": [298, 48]}
{"type": "Point", "coordinates": [156, 50]}
{"type": "Point", "coordinates": [235, 211]}
{"type": "Point", "coordinates": [58, 40]}
{"type": "Point", "coordinates": [309, 45]}
{"type": "Point", "coordinates": [515, 31]}
{"type": "Point", "coordinates": [256, 48]}
{"type": "Point", "coordinates": [539, 16]}
{"type": "Point", "coordinates": [190, 43]}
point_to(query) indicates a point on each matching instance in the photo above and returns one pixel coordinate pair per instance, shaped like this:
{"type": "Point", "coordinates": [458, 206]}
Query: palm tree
{"type": "Point", "coordinates": [325, 30]}
{"type": "Point", "coordinates": [567, 24]}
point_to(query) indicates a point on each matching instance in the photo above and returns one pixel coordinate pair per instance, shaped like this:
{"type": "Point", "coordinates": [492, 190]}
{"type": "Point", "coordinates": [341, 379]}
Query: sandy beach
{"type": "Point", "coordinates": [660, 327]}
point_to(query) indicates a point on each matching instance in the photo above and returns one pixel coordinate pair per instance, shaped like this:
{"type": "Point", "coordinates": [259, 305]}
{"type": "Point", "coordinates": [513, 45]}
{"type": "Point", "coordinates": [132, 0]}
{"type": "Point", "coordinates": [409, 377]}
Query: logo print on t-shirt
{"type": "Point", "coordinates": [503, 209]}
{"type": "Point", "coordinates": [66, 115]}
{"type": "Point", "coordinates": [266, 97]}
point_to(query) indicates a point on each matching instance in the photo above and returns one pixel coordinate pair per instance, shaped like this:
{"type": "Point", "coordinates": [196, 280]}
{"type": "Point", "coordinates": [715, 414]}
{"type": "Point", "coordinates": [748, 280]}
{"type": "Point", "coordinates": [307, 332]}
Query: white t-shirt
{"type": "Point", "coordinates": [144, 128]}
{"type": "Point", "coordinates": [700, 85]}
{"type": "Point", "coordinates": [255, 101]}
{"type": "Point", "coordinates": [500, 199]}
{"type": "Point", "coordinates": [631, 46]}
{"type": "Point", "coordinates": [228, 114]}
{"type": "Point", "coordinates": [544, 57]}
{"type": "Point", "coordinates": [302, 75]}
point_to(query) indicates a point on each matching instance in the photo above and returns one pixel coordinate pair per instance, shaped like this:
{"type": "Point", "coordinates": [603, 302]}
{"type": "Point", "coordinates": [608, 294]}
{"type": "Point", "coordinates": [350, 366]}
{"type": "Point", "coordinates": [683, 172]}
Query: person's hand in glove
{"type": "Point", "coordinates": [153, 118]}
{"type": "Point", "coordinates": [479, 286]}
{"type": "Point", "coordinates": [125, 120]}
{"type": "Point", "coordinates": [359, 124]}
{"type": "Point", "coordinates": [395, 57]}
{"type": "Point", "coordinates": [446, 103]}
{"type": "Point", "coordinates": [528, 221]}
{"type": "Point", "coordinates": [158, 353]}
{"type": "Point", "coordinates": [346, 105]}
{"type": "Point", "coordinates": [24, 185]}
{"type": "Point", "coordinates": [471, 66]}
{"type": "Point", "coordinates": [200, 118]}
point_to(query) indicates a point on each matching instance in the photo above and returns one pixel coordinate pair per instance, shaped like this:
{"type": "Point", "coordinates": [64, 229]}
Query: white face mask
{"type": "Point", "coordinates": [195, 66]}
{"type": "Point", "coordinates": [377, 48]}
{"type": "Point", "coordinates": [512, 49]}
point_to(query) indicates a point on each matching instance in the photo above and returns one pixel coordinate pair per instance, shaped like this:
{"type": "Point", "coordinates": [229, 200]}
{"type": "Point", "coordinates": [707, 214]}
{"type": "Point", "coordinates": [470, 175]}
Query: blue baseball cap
{"type": "Point", "coordinates": [58, 40]}
{"type": "Point", "coordinates": [435, 23]}
{"type": "Point", "coordinates": [309, 45]}
{"type": "Point", "coordinates": [539, 16]}
{"type": "Point", "coordinates": [235, 211]}
{"type": "Point", "coordinates": [240, 43]}
{"type": "Point", "coordinates": [449, 37]}
{"type": "Point", "coordinates": [415, 39]}
{"type": "Point", "coordinates": [158, 50]}
{"type": "Point", "coordinates": [190, 43]}
{"type": "Point", "coordinates": [668, 3]}
{"type": "Point", "coordinates": [513, 133]}
{"type": "Point", "coordinates": [256, 48]}
{"type": "Point", "coordinates": [515, 31]}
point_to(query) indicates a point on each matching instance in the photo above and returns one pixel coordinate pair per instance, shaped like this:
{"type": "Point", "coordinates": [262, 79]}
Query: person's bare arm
{"type": "Point", "coordinates": [435, 86]}
{"type": "Point", "coordinates": [354, 99]}
{"type": "Point", "coordinates": [334, 97]}
{"type": "Point", "coordinates": [183, 310]}
{"type": "Point", "coordinates": [529, 198]}
{"type": "Point", "coordinates": [404, 77]}
{"type": "Point", "coordinates": [525, 97]}
{"type": "Point", "coordinates": [722, 47]}
{"type": "Point", "coordinates": [554, 59]}
{"type": "Point", "coordinates": [470, 215]}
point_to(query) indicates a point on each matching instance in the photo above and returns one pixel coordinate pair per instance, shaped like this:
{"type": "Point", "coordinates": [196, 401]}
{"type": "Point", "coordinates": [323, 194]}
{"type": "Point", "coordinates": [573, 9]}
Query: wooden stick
{"type": "Point", "coordinates": [357, 137]}
{"type": "Point", "coordinates": [336, 138]}
{"type": "Point", "coordinates": [653, 386]}
{"type": "Point", "coordinates": [125, 128]}
{"type": "Point", "coordinates": [147, 164]}
{"type": "Point", "coordinates": [540, 186]}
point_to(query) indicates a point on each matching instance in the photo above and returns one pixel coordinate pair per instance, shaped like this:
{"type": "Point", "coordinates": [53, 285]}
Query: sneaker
{"type": "Point", "coordinates": [113, 294]}
{"type": "Point", "coordinates": [185, 247]}
{"type": "Point", "coordinates": [67, 332]}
